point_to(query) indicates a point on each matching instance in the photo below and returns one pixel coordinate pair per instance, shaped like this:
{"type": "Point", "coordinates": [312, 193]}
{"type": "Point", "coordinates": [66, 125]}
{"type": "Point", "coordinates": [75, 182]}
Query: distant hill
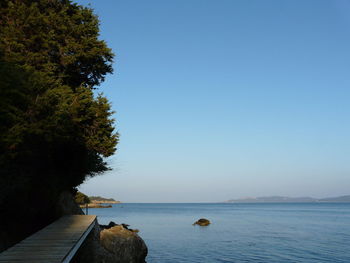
{"type": "Point", "coordinates": [285, 199]}
{"type": "Point", "coordinates": [99, 199]}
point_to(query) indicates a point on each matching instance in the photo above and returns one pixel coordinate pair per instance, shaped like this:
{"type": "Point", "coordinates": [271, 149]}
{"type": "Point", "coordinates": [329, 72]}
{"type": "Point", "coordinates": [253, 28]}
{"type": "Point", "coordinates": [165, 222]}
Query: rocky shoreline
{"type": "Point", "coordinates": [112, 243]}
{"type": "Point", "coordinates": [100, 204]}
{"type": "Point", "coordinates": [95, 205]}
{"type": "Point", "coordinates": [106, 202]}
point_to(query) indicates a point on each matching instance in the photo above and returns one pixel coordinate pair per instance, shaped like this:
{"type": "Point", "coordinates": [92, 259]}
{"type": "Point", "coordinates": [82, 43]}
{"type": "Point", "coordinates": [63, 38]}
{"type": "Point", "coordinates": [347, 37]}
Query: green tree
{"type": "Point", "coordinates": [81, 198]}
{"type": "Point", "coordinates": [56, 37]}
{"type": "Point", "coordinates": [55, 132]}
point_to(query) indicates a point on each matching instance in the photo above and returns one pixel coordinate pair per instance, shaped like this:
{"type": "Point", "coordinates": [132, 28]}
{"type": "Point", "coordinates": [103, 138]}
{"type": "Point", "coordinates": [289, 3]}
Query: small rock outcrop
{"type": "Point", "coordinates": [202, 222]}
{"type": "Point", "coordinates": [124, 244]}
{"type": "Point", "coordinates": [112, 243]}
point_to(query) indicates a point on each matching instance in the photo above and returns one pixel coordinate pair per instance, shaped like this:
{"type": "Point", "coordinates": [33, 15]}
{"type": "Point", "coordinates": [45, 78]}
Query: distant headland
{"type": "Point", "coordinates": [94, 201]}
{"type": "Point", "coordinates": [102, 200]}
{"type": "Point", "coordinates": [285, 199]}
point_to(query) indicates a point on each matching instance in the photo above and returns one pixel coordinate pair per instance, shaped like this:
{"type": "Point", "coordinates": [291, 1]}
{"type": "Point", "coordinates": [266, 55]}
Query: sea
{"type": "Point", "coordinates": [260, 232]}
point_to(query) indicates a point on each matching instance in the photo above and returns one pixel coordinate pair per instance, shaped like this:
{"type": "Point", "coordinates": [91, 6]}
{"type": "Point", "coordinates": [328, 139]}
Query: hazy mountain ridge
{"type": "Point", "coordinates": [285, 199]}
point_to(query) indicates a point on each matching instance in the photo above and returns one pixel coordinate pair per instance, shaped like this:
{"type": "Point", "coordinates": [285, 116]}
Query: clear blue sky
{"type": "Point", "coordinates": [225, 99]}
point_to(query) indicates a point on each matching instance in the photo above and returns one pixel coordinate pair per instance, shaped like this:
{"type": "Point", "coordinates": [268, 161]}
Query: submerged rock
{"type": "Point", "coordinates": [202, 222]}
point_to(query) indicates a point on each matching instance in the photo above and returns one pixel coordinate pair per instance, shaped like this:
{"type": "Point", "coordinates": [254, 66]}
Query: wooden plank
{"type": "Point", "coordinates": [72, 252]}
{"type": "Point", "coordinates": [56, 243]}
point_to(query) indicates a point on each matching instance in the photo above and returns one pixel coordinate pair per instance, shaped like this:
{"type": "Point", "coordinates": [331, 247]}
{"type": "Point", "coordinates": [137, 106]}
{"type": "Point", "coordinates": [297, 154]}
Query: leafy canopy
{"type": "Point", "coordinates": [81, 198]}
{"type": "Point", "coordinates": [54, 131]}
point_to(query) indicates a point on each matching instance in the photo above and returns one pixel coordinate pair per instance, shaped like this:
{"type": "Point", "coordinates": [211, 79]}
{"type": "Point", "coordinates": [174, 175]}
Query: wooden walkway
{"type": "Point", "coordinates": [56, 243]}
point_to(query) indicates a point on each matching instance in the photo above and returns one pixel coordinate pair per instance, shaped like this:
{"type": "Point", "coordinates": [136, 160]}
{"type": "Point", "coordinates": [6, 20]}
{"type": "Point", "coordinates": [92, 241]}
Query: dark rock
{"type": "Point", "coordinates": [111, 224]}
{"type": "Point", "coordinates": [202, 222]}
{"type": "Point", "coordinates": [125, 225]}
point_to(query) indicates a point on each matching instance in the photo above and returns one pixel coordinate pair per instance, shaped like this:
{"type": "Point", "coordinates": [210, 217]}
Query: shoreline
{"type": "Point", "coordinates": [100, 204]}
{"type": "Point", "coordinates": [105, 202]}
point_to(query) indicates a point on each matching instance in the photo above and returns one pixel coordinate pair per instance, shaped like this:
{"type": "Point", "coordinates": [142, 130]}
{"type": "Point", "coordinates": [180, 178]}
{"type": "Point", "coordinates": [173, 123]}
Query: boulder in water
{"type": "Point", "coordinates": [124, 244]}
{"type": "Point", "coordinates": [112, 243]}
{"type": "Point", "coordinates": [202, 222]}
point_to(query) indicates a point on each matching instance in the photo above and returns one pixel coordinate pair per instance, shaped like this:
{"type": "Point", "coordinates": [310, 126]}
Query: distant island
{"type": "Point", "coordinates": [285, 199]}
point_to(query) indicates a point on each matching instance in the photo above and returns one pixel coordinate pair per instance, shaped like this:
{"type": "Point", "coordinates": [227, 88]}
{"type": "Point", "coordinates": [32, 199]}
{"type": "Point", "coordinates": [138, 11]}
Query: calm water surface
{"type": "Point", "coordinates": [239, 232]}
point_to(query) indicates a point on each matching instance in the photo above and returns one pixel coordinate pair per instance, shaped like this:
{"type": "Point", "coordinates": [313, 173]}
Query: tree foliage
{"type": "Point", "coordinates": [55, 37]}
{"type": "Point", "coordinates": [81, 198]}
{"type": "Point", "coordinates": [55, 132]}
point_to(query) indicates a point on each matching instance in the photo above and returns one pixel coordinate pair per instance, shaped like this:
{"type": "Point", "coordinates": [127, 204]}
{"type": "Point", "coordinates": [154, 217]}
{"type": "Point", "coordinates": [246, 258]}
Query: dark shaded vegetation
{"type": "Point", "coordinates": [55, 132]}
{"type": "Point", "coordinates": [81, 198]}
